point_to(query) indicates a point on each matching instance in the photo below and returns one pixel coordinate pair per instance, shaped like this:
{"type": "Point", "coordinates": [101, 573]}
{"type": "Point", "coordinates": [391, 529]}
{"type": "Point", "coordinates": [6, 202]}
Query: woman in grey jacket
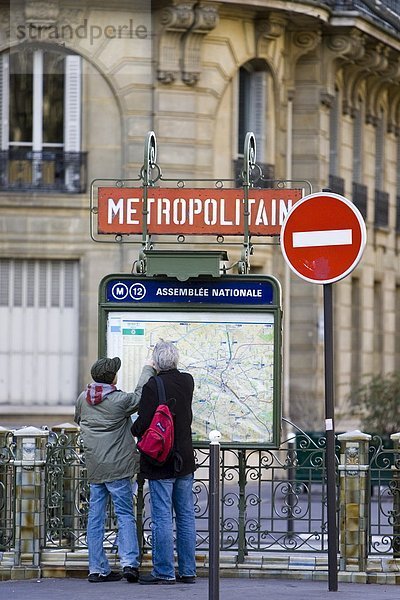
{"type": "Point", "coordinates": [103, 413]}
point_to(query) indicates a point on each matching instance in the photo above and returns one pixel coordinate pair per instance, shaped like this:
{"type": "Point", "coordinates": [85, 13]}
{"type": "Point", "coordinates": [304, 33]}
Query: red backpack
{"type": "Point", "coordinates": [157, 442]}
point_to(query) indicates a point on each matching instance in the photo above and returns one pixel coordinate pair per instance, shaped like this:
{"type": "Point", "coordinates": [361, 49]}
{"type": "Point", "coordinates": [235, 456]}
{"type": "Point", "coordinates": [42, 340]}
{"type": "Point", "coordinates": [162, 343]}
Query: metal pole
{"type": "Point", "coordinates": [213, 517]}
{"type": "Point", "coordinates": [330, 439]}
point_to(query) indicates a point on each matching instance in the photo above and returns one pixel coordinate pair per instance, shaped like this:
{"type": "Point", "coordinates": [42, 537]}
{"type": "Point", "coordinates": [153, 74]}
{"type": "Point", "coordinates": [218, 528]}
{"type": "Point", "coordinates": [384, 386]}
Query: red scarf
{"type": "Point", "coordinates": [96, 392]}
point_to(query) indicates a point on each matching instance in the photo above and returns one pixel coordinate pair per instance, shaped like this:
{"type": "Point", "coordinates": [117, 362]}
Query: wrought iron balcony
{"type": "Point", "coordinates": [384, 13]}
{"type": "Point", "coordinates": [360, 197]}
{"type": "Point", "coordinates": [47, 171]}
{"type": "Point", "coordinates": [381, 209]}
{"type": "Point", "coordinates": [336, 184]}
{"type": "Point", "coordinates": [262, 176]}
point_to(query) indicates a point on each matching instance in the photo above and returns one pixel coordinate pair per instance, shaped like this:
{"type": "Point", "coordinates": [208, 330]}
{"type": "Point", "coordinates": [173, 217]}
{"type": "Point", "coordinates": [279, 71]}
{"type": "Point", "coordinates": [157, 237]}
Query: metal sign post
{"type": "Point", "coordinates": [323, 239]}
{"type": "Point", "coordinates": [213, 517]}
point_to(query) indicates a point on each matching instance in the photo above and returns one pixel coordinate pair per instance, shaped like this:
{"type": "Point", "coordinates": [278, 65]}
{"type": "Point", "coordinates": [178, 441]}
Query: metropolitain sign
{"type": "Point", "coordinates": [193, 211]}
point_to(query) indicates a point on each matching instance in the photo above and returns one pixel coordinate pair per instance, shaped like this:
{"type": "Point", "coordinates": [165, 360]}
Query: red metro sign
{"type": "Point", "coordinates": [175, 211]}
{"type": "Point", "coordinates": [323, 237]}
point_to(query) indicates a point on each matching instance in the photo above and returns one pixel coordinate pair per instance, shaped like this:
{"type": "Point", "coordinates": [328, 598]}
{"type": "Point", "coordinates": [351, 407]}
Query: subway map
{"type": "Point", "coordinates": [230, 356]}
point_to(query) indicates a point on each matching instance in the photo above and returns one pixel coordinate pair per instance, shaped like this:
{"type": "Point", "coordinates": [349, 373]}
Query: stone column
{"type": "Point", "coordinates": [354, 500]}
{"type": "Point", "coordinates": [396, 494]}
{"type": "Point", "coordinates": [30, 459]}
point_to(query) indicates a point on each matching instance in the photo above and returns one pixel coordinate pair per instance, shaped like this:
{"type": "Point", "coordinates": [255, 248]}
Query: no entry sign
{"type": "Point", "coordinates": [323, 237]}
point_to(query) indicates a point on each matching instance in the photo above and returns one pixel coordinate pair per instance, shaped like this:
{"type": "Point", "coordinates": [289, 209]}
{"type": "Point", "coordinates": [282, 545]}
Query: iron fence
{"type": "Point", "coordinates": [7, 496]}
{"type": "Point", "coordinates": [271, 500]}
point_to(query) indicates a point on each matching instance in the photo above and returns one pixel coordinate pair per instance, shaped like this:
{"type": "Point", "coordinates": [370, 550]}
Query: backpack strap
{"type": "Point", "coordinates": [161, 390]}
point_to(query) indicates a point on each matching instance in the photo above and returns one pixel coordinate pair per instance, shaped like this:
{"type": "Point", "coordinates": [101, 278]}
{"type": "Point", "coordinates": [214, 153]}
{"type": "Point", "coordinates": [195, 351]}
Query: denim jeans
{"type": "Point", "coordinates": [167, 495]}
{"type": "Point", "coordinates": [128, 547]}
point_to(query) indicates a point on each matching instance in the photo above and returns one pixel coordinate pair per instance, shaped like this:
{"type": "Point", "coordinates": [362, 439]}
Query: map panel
{"type": "Point", "coordinates": [231, 358]}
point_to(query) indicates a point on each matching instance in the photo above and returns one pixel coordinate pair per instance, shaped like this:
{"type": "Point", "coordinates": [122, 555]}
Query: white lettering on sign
{"type": "Point", "coordinates": [330, 237]}
{"type": "Point", "coordinates": [205, 292]}
{"type": "Point", "coordinates": [182, 292]}
{"type": "Point", "coordinates": [183, 211]}
{"type": "Point", "coordinates": [226, 292]}
{"type": "Point", "coordinates": [114, 209]}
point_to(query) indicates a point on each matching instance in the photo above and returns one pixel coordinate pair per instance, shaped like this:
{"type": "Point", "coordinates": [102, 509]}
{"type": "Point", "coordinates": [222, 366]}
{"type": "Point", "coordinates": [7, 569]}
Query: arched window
{"type": "Point", "coordinates": [381, 196]}
{"type": "Point", "coordinates": [334, 122]}
{"type": "Point", "coordinates": [336, 183]}
{"type": "Point", "coordinates": [358, 130]}
{"type": "Point", "coordinates": [256, 113]}
{"type": "Point", "coordinates": [40, 129]}
{"type": "Point", "coordinates": [360, 190]}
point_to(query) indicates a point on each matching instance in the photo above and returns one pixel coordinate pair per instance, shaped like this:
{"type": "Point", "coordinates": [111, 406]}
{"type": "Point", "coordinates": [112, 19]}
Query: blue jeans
{"type": "Point", "coordinates": [167, 495]}
{"type": "Point", "coordinates": [128, 547]}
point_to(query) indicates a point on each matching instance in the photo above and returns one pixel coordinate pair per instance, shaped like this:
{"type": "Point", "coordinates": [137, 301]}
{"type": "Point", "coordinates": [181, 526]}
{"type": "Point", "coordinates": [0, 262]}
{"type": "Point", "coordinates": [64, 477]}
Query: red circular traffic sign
{"type": "Point", "coordinates": [323, 237]}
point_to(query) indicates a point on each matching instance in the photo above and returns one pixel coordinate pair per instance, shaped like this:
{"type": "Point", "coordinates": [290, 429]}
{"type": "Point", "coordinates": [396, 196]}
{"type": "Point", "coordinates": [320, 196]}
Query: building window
{"type": "Point", "coordinates": [397, 330]}
{"type": "Point", "coordinates": [380, 152]}
{"type": "Point", "coordinates": [336, 183]}
{"type": "Point", "coordinates": [358, 129]}
{"type": "Point", "coordinates": [256, 114]}
{"type": "Point", "coordinates": [40, 128]}
{"type": "Point", "coordinates": [378, 329]}
{"type": "Point", "coordinates": [398, 187]}
{"type": "Point", "coordinates": [359, 189]}
{"type": "Point", "coordinates": [334, 142]}
{"type": "Point", "coordinates": [356, 342]}
{"type": "Point", "coordinates": [381, 197]}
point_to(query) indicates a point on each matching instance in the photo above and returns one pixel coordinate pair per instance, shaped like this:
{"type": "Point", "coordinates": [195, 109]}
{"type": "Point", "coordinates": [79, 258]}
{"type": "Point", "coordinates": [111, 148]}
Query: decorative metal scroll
{"type": "Point", "coordinates": [151, 177]}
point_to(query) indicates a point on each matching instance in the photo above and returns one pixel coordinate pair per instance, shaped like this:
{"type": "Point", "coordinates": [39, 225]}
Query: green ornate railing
{"type": "Point", "coordinates": [271, 500]}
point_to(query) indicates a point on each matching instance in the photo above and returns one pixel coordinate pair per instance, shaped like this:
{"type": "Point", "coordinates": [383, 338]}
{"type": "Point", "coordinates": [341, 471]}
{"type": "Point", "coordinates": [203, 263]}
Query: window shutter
{"type": "Point", "coordinates": [4, 100]}
{"type": "Point", "coordinates": [379, 153]}
{"type": "Point", "coordinates": [257, 111]}
{"type": "Point", "coordinates": [334, 120]}
{"type": "Point", "coordinates": [357, 145]}
{"type": "Point", "coordinates": [72, 104]}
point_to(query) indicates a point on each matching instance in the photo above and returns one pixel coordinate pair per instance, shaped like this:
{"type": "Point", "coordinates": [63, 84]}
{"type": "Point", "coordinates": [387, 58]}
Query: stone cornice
{"type": "Point", "coordinates": [205, 20]}
{"type": "Point", "coordinates": [271, 27]}
{"type": "Point", "coordinates": [183, 26]}
{"type": "Point", "coordinates": [348, 45]}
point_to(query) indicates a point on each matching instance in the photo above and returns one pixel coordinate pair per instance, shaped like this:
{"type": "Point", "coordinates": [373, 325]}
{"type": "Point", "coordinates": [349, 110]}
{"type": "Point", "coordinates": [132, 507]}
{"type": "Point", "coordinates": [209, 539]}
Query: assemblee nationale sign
{"type": "Point", "coordinates": [175, 211]}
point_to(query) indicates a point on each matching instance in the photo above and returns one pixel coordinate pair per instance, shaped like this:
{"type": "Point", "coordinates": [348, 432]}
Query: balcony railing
{"type": "Point", "coordinates": [381, 209]}
{"type": "Point", "coordinates": [336, 184]}
{"type": "Point", "coordinates": [262, 176]}
{"type": "Point", "coordinates": [360, 197]}
{"type": "Point", "coordinates": [47, 171]}
{"type": "Point", "coordinates": [383, 13]}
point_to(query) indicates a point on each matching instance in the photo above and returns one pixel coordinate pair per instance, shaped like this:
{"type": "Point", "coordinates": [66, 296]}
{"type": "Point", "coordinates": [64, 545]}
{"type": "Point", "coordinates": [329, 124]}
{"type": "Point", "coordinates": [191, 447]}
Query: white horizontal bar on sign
{"type": "Point", "coordinates": [329, 237]}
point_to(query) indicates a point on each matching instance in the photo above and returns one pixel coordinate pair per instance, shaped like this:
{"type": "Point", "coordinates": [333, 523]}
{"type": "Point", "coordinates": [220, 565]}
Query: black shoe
{"type": "Point", "coordinates": [186, 578]}
{"type": "Point", "coordinates": [98, 577]}
{"type": "Point", "coordinates": [131, 574]}
{"type": "Point", "coordinates": [149, 579]}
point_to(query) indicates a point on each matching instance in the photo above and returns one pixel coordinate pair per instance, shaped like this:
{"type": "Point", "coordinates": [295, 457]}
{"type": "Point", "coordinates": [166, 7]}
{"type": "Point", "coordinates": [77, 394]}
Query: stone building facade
{"type": "Point", "coordinates": [81, 84]}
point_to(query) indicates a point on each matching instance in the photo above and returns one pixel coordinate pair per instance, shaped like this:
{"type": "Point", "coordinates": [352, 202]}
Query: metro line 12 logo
{"type": "Point", "coordinates": [120, 291]}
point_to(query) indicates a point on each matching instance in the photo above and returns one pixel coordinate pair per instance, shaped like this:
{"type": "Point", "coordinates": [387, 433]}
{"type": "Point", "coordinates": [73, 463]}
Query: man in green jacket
{"type": "Point", "coordinates": [103, 413]}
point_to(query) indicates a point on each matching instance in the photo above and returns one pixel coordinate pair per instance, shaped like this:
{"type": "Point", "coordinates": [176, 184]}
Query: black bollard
{"type": "Point", "coordinates": [213, 517]}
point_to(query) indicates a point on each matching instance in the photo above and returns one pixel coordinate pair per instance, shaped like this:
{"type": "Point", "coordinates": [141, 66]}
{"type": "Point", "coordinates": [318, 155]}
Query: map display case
{"type": "Point", "coordinates": [228, 333]}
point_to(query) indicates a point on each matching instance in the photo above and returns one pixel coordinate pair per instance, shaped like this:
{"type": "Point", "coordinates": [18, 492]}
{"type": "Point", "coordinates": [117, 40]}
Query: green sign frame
{"type": "Point", "coordinates": [229, 334]}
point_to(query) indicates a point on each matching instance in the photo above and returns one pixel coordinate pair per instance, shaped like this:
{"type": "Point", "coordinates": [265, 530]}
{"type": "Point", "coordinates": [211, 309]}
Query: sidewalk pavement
{"type": "Point", "coordinates": [229, 589]}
